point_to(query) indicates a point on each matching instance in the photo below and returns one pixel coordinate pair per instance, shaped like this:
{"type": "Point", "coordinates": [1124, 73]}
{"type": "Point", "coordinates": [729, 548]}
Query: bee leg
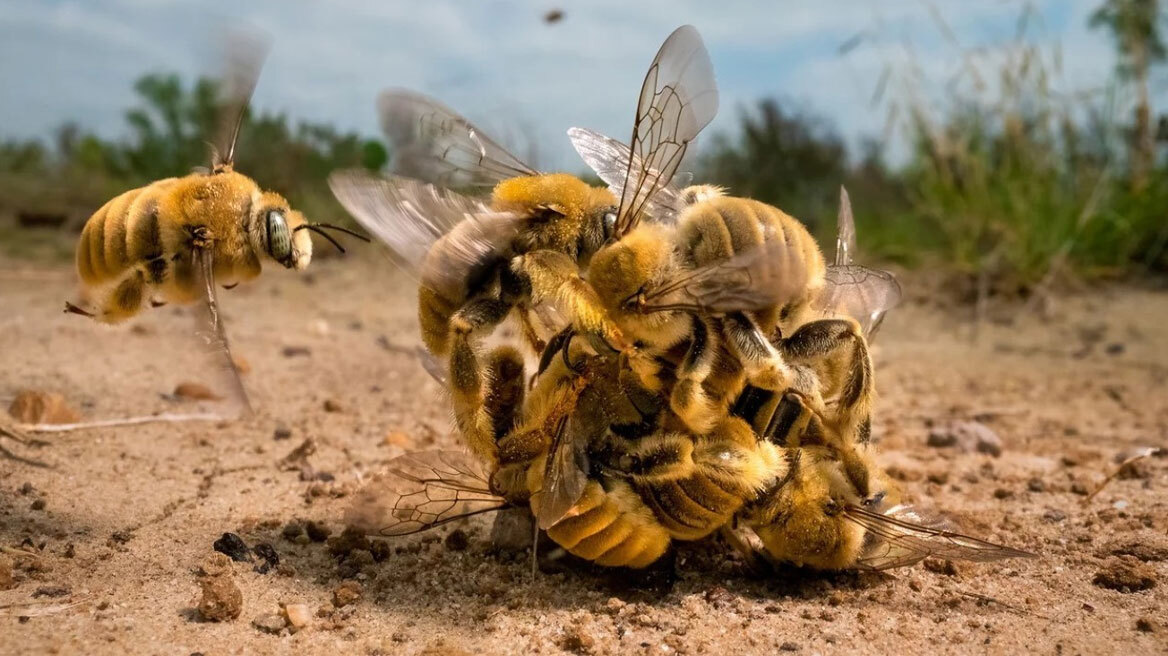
{"type": "Point", "coordinates": [554, 278]}
{"type": "Point", "coordinates": [689, 399]}
{"type": "Point", "coordinates": [836, 358]}
{"type": "Point", "coordinates": [124, 300]}
{"type": "Point", "coordinates": [764, 365]}
{"type": "Point", "coordinates": [530, 334]}
{"type": "Point", "coordinates": [471, 412]}
{"type": "Point", "coordinates": [757, 560]}
{"type": "Point", "coordinates": [73, 309]}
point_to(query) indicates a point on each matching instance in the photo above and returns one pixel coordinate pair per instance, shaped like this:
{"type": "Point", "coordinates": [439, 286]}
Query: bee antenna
{"type": "Point", "coordinates": [318, 229]}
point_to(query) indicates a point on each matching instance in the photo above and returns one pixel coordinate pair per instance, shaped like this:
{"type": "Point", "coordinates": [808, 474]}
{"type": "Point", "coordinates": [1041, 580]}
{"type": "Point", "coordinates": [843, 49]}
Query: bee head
{"type": "Point", "coordinates": [273, 231]}
{"type": "Point", "coordinates": [561, 207]}
{"type": "Point", "coordinates": [624, 272]}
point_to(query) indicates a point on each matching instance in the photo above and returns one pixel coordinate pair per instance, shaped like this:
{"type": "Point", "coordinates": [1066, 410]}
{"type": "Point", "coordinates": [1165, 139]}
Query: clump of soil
{"type": "Point", "coordinates": [221, 599]}
{"type": "Point", "coordinates": [1125, 574]}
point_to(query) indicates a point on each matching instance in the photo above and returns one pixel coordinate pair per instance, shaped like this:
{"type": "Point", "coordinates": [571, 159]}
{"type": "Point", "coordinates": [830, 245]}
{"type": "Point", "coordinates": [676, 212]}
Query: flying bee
{"type": "Point", "coordinates": [524, 247]}
{"type": "Point", "coordinates": [175, 239]}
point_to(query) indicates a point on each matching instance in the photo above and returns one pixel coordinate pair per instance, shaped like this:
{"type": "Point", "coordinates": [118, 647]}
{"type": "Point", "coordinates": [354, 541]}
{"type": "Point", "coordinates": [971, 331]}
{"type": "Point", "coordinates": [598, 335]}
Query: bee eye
{"type": "Point", "coordinates": [874, 500]}
{"type": "Point", "coordinates": [279, 237]}
{"type": "Point", "coordinates": [831, 508]}
{"type": "Point", "coordinates": [609, 223]}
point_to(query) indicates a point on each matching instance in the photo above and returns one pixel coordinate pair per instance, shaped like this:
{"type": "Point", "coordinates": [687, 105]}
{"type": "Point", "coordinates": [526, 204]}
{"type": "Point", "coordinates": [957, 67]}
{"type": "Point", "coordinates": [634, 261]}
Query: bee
{"type": "Point", "coordinates": [175, 239]}
{"type": "Point", "coordinates": [527, 244]}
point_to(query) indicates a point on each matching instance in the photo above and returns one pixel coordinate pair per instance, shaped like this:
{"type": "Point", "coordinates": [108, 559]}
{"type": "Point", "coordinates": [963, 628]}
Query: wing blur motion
{"type": "Point", "coordinates": [410, 217]}
{"type": "Point", "coordinates": [433, 143]}
{"type": "Point", "coordinates": [213, 336]}
{"type": "Point", "coordinates": [678, 98]}
{"type": "Point", "coordinates": [902, 537]}
{"type": "Point", "coordinates": [245, 52]}
{"type": "Point", "coordinates": [419, 491]}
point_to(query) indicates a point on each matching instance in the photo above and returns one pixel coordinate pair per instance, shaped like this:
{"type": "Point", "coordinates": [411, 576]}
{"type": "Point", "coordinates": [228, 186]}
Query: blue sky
{"type": "Point", "coordinates": [502, 66]}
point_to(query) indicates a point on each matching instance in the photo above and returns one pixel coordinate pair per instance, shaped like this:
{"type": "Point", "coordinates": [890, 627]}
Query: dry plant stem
{"type": "Point", "coordinates": [108, 423]}
{"type": "Point", "coordinates": [52, 607]}
{"type": "Point", "coordinates": [1110, 477]}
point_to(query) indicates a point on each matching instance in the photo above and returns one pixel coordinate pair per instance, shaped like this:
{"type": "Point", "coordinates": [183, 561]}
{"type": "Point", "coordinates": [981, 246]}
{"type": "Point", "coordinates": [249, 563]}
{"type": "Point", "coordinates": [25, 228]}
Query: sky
{"type": "Point", "coordinates": [500, 64]}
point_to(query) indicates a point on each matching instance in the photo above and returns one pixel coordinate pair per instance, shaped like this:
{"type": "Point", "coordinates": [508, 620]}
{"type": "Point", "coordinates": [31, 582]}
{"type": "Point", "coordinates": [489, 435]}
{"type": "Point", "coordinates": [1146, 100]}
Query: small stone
{"type": "Point", "coordinates": [296, 351]}
{"type": "Point", "coordinates": [1125, 574]}
{"type": "Point", "coordinates": [281, 432]}
{"type": "Point", "coordinates": [1036, 485]}
{"type": "Point", "coordinates": [939, 439]}
{"type": "Point", "coordinates": [26, 489]}
{"type": "Point", "coordinates": [789, 646]}
{"type": "Point", "coordinates": [326, 610]}
{"type": "Point", "coordinates": [217, 564]}
{"type": "Point", "coordinates": [347, 593]}
{"type": "Point", "coordinates": [221, 599]}
{"type": "Point", "coordinates": [292, 530]}
{"type": "Point", "coordinates": [333, 405]}
{"type": "Point", "coordinates": [939, 477]}
{"type": "Point", "coordinates": [233, 546]}
{"type": "Point", "coordinates": [1134, 470]}
{"type": "Point", "coordinates": [360, 558]}
{"type": "Point", "coordinates": [297, 459]}
{"type": "Point", "coordinates": [317, 532]}
{"type": "Point", "coordinates": [1115, 348]}
{"type": "Point", "coordinates": [241, 364]}
{"type": "Point", "coordinates": [399, 439]}
{"type": "Point", "coordinates": [70, 550]}
{"type": "Point", "coordinates": [1054, 516]}
{"type": "Point", "coordinates": [945, 567]}
{"type": "Point", "coordinates": [271, 623]}
{"type": "Point", "coordinates": [39, 407]}
{"type": "Point", "coordinates": [270, 559]}
{"type": "Point", "coordinates": [188, 391]}
{"type": "Point", "coordinates": [38, 504]}
{"type": "Point", "coordinates": [1079, 488]}
{"type": "Point", "coordinates": [298, 616]}
{"type": "Point", "coordinates": [578, 640]}
{"type": "Point", "coordinates": [351, 538]}
{"type": "Point", "coordinates": [967, 436]}
{"type": "Point", "coordinates": [51, 591]}
{"type": "Point", "coordinates": [7, 580]}
{"type": "Point", "coordinates": [457, 540]}
{"type": "Point", "coordinates": [1003, 493]}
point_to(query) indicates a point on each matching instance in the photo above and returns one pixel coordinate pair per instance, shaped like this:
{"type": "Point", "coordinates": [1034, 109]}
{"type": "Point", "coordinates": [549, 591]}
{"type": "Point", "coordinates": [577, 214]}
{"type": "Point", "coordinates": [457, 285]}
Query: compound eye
{"type": "Point", "coordinates": [874, 500]}
{"type": "Point", "coordinates": [609, 223]}
{"type": "Point", "coordinates": [279, 237]}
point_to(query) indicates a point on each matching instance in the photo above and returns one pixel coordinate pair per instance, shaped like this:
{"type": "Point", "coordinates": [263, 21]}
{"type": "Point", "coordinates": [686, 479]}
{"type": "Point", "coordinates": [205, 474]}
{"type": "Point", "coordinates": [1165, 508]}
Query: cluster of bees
{"type": "Point", "coordinates": [684, 363]}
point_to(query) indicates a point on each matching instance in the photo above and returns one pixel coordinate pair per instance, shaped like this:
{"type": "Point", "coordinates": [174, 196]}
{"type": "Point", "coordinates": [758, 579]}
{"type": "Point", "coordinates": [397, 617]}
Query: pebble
{"type": "Point", "coordinates": [1146, 625]}
{"type": "Point", "coordinates": [1125, 574]}
{"type": "Point", "coordinates": [333, 405]}
{"type": "Point", "coordinates": [281, 432]}
{"type": "Point", "coordinates": [38, 504]}
{"type": "Point", "coordinates": [39, 407]}
{"type": "Point", "coordinates": [318, 532]}
{"type": "Point", "coordinates": [298, 616]}
{"type": "Point", "coordinates": [347, 593]}
{"type": "Point", "coordinates": [221, 599]}
{"type": "Point", "coordinates": [268, 555]}
{"type": "Point", "coordinates": [292, 530]}
{"type": "Point", "coordinates": [188, 391]}
{"type": "Point", "coordinates": [233, 546]}
{"type": "Point", "coordinates": [457, 540]}
{"type": "Point", "coordinates": [967, 436]}
{"type": "Point", "coordinates": [270, 623]}
{"type": "Point", "coordinates": [578, 639]}
{"type": "Point", "coordinates": [296, 351]}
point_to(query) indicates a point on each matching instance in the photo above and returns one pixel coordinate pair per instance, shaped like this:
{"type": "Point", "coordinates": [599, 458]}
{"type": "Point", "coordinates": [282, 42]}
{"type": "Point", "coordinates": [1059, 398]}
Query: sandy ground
{"type": "Point", "coordinates": [122, 520]}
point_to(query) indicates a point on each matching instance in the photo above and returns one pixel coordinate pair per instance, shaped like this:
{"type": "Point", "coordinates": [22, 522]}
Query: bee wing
{"type": "Point", "coordinates": [432, 143]}
{"type": "Point", "coordinates": [859, 292]}
{"type": "Point", "coordinates": [245, 53]}
{"type": "Point", "coordinates": [678, 98]}
{"type": "Point", "coordinates": [902, 536]}
{"type": "Point", "coordinates": [419, 491]}
{"type": "Point", "coordinates": [612, 161]}
{"type": "Point", "coordinates": [212, 335]}
{"type": "Point", "coordinates": [760, 277]}
{"type": "Point", "coordinates": [845, 239]}
{"type": "Point", "coordinates": [565, 474]}
{"type": "Point", "coordinates": [410, 217]}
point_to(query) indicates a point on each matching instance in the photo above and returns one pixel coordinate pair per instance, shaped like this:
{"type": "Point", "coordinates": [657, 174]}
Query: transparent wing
{"type": "Point", "coordinates": [859, 292]}
{"type": "Point", "coordinates": [212, 335]}
{"type": "Point", "coordinates": [565, 474]}
{"type": "Point", "coordinates": [678, 98]}
{"type": "Point", "coordinates": [845, 239]}
{"type": "Point", "coordinates": [611, 160]}
{"type": "Point", "coordinates": [432, 143]}
{"type": "Point", "coordinates": [419, 491]}
{"type": "Point", "coordinates": [245, 53]}
{"type": "Point", "coordinates": [901, 537]}
{"type": "Point", "coordinates": [765, 276]}
{"type": "Point", "coordinates": [410, 217]}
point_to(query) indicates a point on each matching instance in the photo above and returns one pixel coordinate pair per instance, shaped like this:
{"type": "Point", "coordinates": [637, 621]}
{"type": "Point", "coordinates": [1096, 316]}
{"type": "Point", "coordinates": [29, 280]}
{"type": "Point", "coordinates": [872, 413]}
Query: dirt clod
{"type": "Point", "coordinates": [221, 599]}
{"type": "Point", "coordinates": [457, 540]}
{"type": "Point", "coordinates": [270, 623]}
{"type": "Point", "coordinates": [39, 407]}
{"type": "Point", "coordinates": [189, 391]}
{"type": "Point", "coordinates": [234, 547]}
{"type": "Point", "coordinates": [944, 567]}
{"type": "Point", "coordinates": [297, 459]}
{"type": "Point", "coordinates": [350, 539]}
{"type": "Point", "coordinates": [292, 530]}
{"type": "Point", "coordinates": [966, 436]}
{"type": "Point", "coordinates": [578, 639]}
{"type": "Point", "coordinates": [51, 591]}
{"type": "Point", "coordinates": [347, 593]}
{"type": "Point", "coordinates": [317, 532]}
{"type": "Point", "coordinates": [296, 351]}
{"type": "Point", "coordinates": [333, 405]}
{"type": "Point", "coordinates": [38, 504]}
{"type": "Point", "coordinates": [1125, 574]}
{"type": "Point", "coordinates": [1146, 625]}
{"type": "Point", "coordinates": [789, 646]}
{"type": "Point", "coordinates": [379, 549]}
{"type": "Point", "coordinates": [281, 432]}
{"type": "Point", "coordinates": [268, 556]}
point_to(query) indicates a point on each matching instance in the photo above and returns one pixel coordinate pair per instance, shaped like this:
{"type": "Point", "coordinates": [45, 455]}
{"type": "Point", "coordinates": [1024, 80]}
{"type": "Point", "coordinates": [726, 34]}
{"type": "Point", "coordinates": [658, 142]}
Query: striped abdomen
{"type": "Point", "coordinates": [611, 526]}
{"type": "Point", "coordinates": [125, 232]}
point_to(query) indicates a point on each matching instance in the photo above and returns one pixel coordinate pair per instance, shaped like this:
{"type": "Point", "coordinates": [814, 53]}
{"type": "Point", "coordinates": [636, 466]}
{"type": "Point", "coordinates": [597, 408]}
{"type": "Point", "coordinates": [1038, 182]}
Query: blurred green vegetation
{"type": "Point", "coordinates": [63, 184]}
